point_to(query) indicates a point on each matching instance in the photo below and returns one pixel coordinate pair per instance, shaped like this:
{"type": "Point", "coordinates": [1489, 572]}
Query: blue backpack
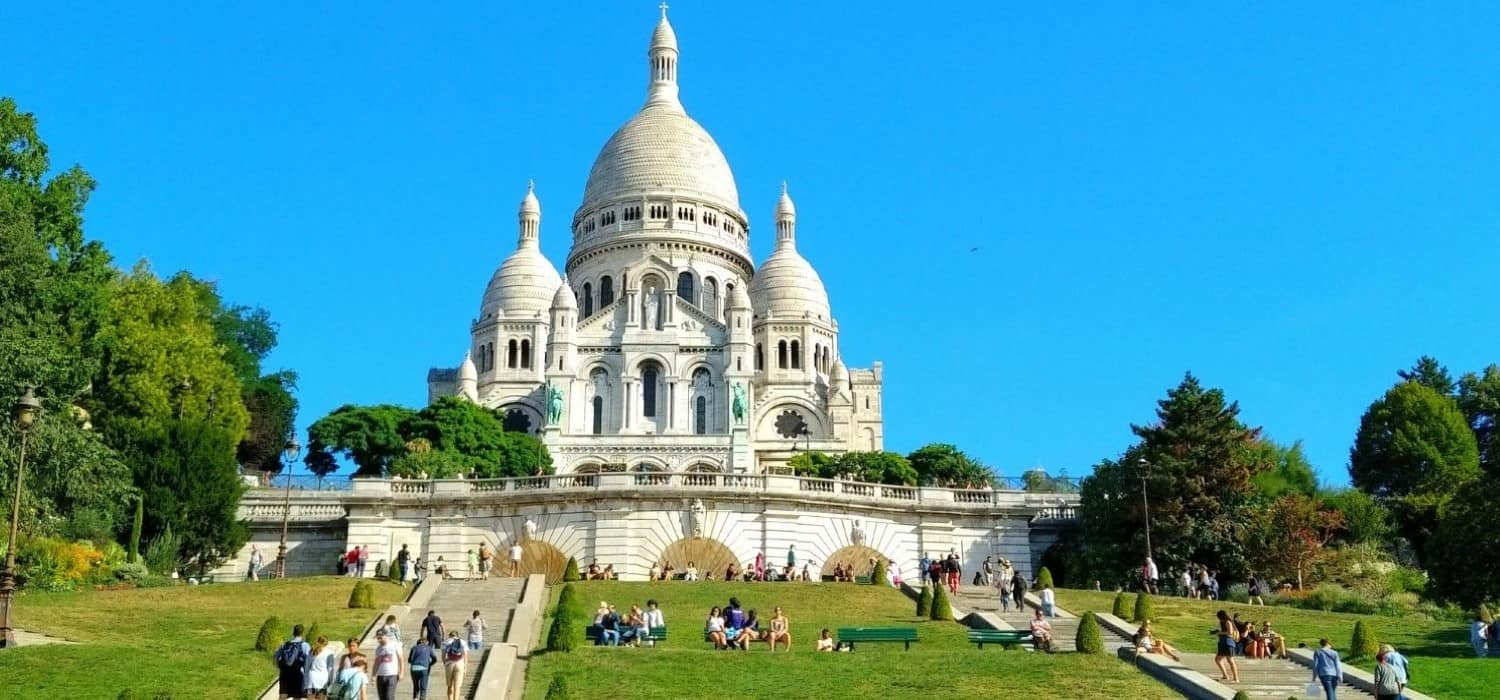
{"type": "Point", "coordinates": [290, 656]}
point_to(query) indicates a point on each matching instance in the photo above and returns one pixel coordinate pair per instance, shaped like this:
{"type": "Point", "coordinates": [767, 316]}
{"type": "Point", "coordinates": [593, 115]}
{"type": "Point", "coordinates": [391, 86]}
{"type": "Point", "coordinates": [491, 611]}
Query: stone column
{"type": "Point", "coordinates": [671, 405]}
{"type": "Point", "coordinates": [627, 399]}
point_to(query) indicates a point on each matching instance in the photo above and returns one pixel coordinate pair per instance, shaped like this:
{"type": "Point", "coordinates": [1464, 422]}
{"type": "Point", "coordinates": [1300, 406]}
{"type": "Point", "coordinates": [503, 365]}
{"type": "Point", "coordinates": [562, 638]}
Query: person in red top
{"type": "Point", "coordinates": [351, 561]}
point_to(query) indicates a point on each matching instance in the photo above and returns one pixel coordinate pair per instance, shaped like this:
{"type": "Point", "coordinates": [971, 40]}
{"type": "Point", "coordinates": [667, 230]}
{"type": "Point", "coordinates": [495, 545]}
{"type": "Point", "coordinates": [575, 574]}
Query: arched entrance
{"type": "Point", "coordinates": [707, 554]}
{"type": "Point", "coordinates": [862, 558]}
{"type": "Point", "coordinates": [537, 557]}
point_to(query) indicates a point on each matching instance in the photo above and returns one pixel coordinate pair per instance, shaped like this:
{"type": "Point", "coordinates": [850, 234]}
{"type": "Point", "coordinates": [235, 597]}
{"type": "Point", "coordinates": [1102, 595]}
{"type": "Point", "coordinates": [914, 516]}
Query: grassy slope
{"type": "Point", "coordinates": [942, 662]}
{"type": "Point", "coordinates": [1443, 663]}
{"type": "Point", "coordinates": [181, 639]}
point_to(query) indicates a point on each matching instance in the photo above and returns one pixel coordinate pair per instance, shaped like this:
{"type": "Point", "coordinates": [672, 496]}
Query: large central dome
{"type": "Point", "coordinates": [661, 151]}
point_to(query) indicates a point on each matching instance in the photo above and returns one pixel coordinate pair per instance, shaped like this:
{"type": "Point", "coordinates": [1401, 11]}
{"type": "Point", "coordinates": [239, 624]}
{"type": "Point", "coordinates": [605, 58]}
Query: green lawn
{"type": "Point", "coordinates": [1443, 663]}
{"type": "Point", "coordinates": [181, 639]}
{"type": "Point", "coordinates": [943, 662]}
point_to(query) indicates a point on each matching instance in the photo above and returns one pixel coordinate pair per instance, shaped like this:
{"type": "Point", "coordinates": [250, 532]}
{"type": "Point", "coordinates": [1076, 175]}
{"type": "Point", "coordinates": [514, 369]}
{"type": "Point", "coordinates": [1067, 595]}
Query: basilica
{"type": "Point", "coordinates": [663, 347]}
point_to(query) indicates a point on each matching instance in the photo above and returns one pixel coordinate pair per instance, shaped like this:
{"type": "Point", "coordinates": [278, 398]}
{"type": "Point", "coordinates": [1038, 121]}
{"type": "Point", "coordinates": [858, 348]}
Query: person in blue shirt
{"type": "Point", "coordinates": [1400, 664]}
{"type": "Point", "coordinates": [1326, 670]}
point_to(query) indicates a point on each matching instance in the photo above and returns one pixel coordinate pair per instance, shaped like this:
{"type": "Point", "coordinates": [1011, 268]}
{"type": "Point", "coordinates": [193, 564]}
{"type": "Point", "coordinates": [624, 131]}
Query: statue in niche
{"type": "Point", "coordinates": [697, 514]}
{"type": "Point", "coordinates": [857, 535]}
{"type": "Point", "coordinates": [651, 304]}
{"type": "Point", "coordinates": [741, 402]}
{"type": "Point", "coordinates": [554, 403]}
{"type": "Point", "coordinates": [528, 529]}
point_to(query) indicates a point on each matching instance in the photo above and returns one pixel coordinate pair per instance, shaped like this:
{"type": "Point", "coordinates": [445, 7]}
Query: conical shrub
{"type": "Point", "coordinates": [570, 572]}
{"type": "Point", "coordinates": [1044, 579]}
{"type": "Point", "coordinates": [1090, 639]}
{"type": "Point", "coordinates": [1121, 609]}
{"type": "Point", "coordinates": [1143, 607]}
{"type": "Point", "coordinates": [566, 632]}
{"type": "Point", "coordinates": [924, 602]}
{"type": "Point", "coordinates": [1364, 644]}
{"type": "Point", "coordinates": [313, 631]}
{"type": "Point", "coordinates": [270, 635]}
{"type": "Point", "coordinates": [558, 690]}
{"type": "Point", "coordinates": [941, 610]}
{"type": "Point", "coordinates": [877, 576]}
{"type": "Point", "coordinates": [363, 595]}
{"type": "Point", "coordinates": [1241, 695]}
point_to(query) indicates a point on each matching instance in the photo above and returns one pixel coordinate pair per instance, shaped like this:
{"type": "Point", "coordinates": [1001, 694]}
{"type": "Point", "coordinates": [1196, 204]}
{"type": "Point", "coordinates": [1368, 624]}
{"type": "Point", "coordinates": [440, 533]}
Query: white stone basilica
{"type": "Point", "coordinates": [664, 348]}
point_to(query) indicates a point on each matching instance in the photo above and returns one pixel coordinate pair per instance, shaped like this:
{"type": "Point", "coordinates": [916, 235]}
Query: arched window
{"type": "Point", "coordinates": [598, 415]}
{"type": "Point", "coordinates": [606, 291]}
{"type": "Point", "coordinates": [796, 354]}
{"type": "Point", "coordinates": [700, 416]}
{"type": "Point", "coordinates": [588, 300]}
{"type": "Point", "coordinates": [817, 356]}
{"type": "Point", "coordinates": [489, 358]}
{"type": "Point", "coordinates": [685, 287]}
{"type": "Point", "coordinates": [760, 357]}
{"type": "Point", "coordinates": [510, 354]}
{"type": "Point", "coordinates": [781, 354]}
{"type": "Point", "coordinates": [525, 354]}
{"type": "Point", "coordinates": [648, 391]}
{"type": "Point", "coordinates": [826, 364]}
{"type": "Point", "coordinates": [710, 302]}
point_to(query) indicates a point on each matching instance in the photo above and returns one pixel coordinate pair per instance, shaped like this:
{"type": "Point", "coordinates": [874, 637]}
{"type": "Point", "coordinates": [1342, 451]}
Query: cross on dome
{"type": "Point", "coordinates": [663, 7]}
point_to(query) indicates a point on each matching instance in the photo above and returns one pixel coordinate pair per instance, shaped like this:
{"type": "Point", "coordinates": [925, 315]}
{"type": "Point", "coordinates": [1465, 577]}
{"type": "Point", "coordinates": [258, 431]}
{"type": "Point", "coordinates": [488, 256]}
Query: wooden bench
{"type": "Point", "coordinates": [865, 580]}
{"type": "Point", "coordinates": [852, 635]}
{"type": "Point", "coordinates": [1002, 637]}
{"type": "Point", "coordinates": [658, 634]}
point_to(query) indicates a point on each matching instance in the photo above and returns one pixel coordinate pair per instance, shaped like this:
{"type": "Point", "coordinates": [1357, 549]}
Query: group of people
{"type": "Point", "coordinates": [632, 629]}
{"type": "Point", "coordinates": [731, 627]}
{"type": "Point", "coordinates": [942, 570]}
{"type": "Point", "coordinates": [1237, 637]}
{"type": "Point", "coordinates": [1485, 637]}
{"type": "Point", "coordinates": [1392, 671]}
{"type": "Point", "coordinates": [594, 572]}
{"type": "Point", "coordinates": [316, 671]}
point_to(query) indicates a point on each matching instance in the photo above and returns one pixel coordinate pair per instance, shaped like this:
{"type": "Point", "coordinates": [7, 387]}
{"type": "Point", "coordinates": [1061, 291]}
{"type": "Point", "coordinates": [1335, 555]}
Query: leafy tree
{"type": "Point", "coordinates": [875, 467]}
{"type": "Point", "coordinates": [369, 435]}
{"type": "Point", "coordinates": [1366, 520]}
{"type": "Point", "coordinates": [1429, 373]}
{"type": "Point", "coordinates": [1414, 450]}
{"type": "Point", "coordinates": [69, 471]}
{"type": "Point", "coordinates": [1290, 473]}
{"type": "Point", "coordinates": [167, 455]}
{"type": "Point", "coordinates": [273, 413]}
{"type": "Point", "coordinates": [811, 464]}
{"type": "Point", "coordinates": [942, 464]}
{"type": "Point", "coordinates": [1291, 534]}
{"type": "Point", "coordinates": [1479, 398]}
{"type": "Point", "coordinates": [1465, 545]}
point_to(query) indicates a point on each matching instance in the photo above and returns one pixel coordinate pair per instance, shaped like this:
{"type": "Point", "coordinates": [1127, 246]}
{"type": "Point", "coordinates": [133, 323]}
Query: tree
{"type": "Point", "coordinates": [1464, 545]}
{"type": "Point", "coordinates": [875, 467]}
{"type": "Point", "coordinates": [811, 464]}
{"type": "Point", "coordinates": [170, 454]}
{"type": "Point", "coordinates": [942, 464]}
{"type": "Point", "coordinates": [1290, 471]}
{"type": "Point", "coordinates": [924, 601]}
{"type": "Point", "coordinates": [1414, 450]}
{"type": "Point", "coordinates": [1364, 643]}
{"type": "Point", "coordinates": [369, 435]}
{"type": "Point", "coordinates": [1292, 533]}
{"type": "Point", "coordinates": [1366, 520]}
{"type": "Point", "coordinates": [1479, 398]}
{"type": "Point", "coordinates": [273, 413]}
{"type": "Point", "coordinates": [70, 473]}
{"type": "Point", "coordinates": [1429, 373]}
{"type": "Point", "coordinates": [941, 608]}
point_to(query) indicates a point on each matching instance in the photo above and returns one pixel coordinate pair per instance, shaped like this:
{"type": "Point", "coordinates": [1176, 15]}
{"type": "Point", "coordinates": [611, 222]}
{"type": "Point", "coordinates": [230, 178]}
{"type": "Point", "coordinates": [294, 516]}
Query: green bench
{"type": "Point", "coordinates": [862, 580]}
{"type": "Point", "coordinates": [850, 636]}
{"type": "Point", "coordinates": [1001, 637]}
{"type": "Point", "coordinates": [658, 634]}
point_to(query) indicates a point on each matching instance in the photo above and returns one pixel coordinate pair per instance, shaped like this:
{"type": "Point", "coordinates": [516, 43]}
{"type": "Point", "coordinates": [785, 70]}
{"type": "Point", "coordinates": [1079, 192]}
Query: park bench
{"type": "Point", "coordinates": [849, 636]}
{"type": "Point", "coordinates": [1002, 637]}
{"type": "Point", "coordinates": [865, 580]}
{"type": "Point", "coordinates": [658, 634]}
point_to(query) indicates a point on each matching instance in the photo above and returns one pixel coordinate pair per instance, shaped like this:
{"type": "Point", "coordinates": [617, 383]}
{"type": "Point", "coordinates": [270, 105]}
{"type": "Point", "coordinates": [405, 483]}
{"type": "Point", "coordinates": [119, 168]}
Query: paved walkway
{"type": "Point", "coordinates": [985, 602]}
{"type": "Point", "coordinates": [455, 601]}
{"type": "Point", "coordinates": [32, 639]}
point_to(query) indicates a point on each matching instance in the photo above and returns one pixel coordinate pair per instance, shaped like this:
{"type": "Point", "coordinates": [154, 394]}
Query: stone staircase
{"type": "Point", "coordinates": [455, 601]}
{"type": "Point", "coordinates": [985, 602]}
{"type": "Point", "coordinates": [1268, 679]}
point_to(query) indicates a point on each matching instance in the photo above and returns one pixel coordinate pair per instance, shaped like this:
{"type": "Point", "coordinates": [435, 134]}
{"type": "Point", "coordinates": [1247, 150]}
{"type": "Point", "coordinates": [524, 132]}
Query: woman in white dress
{"type": "Point", "coordinates": [319, 673]}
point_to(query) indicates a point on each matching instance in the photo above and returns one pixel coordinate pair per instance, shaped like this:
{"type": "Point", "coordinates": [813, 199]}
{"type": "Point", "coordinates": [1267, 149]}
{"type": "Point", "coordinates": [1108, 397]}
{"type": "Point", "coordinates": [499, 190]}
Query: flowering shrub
{"type": "Point", "coordinates": [50, 564]}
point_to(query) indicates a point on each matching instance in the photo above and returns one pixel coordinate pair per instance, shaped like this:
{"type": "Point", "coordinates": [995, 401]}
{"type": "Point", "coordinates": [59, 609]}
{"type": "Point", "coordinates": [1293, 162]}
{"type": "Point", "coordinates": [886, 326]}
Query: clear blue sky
{"type": "Point", "coordinates": [1291, 201]}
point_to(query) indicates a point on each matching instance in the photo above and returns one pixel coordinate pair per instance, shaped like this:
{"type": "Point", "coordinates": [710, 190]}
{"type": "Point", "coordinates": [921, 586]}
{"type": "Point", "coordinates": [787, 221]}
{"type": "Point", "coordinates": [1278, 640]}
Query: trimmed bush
{"type": "Point", "coordinates": [1090, 639]}
{"type": "Point", "coordinates": [567, 599]}
{"type": "Point", "coordinates": [878, 576]}
{"type": "Point", "coordinates": [270, 635]}
{"type": "Point", "coordinates": [1143, 607]}
{"type": "Point", "coordinates": [941, 610]}
{"type": "Point", "coordinates": [1238, 593]}
{"type": "Point", "coordinates": [566, 632]}
{"type": "Point", "coordinates": [126, 694]}
{"type": "Point", "coordinates": [1484, 614]}
{"type": "Point", "coordinates": [312, 633]}
{"type": "Point", "coordinates": [570, 572]}
{"type": "Point", "coordinates": [558, 690]}
{"type": "Point", "coordinates": [363, 595]}
{"type": "Point", "coordinates": [1364, 644]}
{"type": "Point", "coordinates": [1044, 579]}
{"type": "Point", "coordinates": [393, 572]}
{"type": "Point", "coordinates": [924, 602]}
{"type": "Point", "coordinates": [1241, 695]}
{"type": "Point", "coordinates": [1121, 608]}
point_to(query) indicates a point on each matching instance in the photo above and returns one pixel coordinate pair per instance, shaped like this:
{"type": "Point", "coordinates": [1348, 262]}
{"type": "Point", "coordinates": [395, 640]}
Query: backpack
{"type": "Point", "coordinates": [453, 652]}
{"type": "Point", "coordinates": [290, 656]}
{"type": "Point", "coordinates": [341, 690]}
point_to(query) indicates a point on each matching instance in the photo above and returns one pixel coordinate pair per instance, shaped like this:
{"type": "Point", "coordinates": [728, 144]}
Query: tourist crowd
{"type": "Point", "coordinates": [318, 671]}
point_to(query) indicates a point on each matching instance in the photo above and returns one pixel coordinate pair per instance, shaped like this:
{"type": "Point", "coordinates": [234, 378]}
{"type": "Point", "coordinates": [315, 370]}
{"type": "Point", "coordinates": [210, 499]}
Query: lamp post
{"type": "Point", "coordinates": [291, 452]}
{"type": "Point", "coordinates": [1146, 502]}
{"type": "Point", "coordinates": [24, 414]}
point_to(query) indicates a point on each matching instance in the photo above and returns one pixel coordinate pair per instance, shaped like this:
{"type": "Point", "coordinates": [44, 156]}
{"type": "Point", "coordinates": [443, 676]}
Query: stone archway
{"type": "Point", "coordinates": [860, 556]}
{"type": "Point", "coordinates": [706, 553]}
{"type": "Point", "coordinates": [537, 557]}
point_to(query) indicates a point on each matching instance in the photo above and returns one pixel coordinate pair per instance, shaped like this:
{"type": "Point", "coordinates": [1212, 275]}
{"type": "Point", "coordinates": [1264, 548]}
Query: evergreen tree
{"type": "Point", "coordinates": [1090, 638]}
{"type": "Point", "coordinates": [1431, 374]}
{"type": "Point", "coordinates": [1143, 607]}
{"type": "Point", "coordinates": [1364, 644]}
{"type": "Point", "coordinates": [924, 602]}
{"type": "Point", "coordinates": [1465, 536]}
{"type": "Point", "coordinates": [570, 572]}
{"type": "Point", "coordinates": [941, 608]}
{"type": "Point", "coordinates": [1121, 609]}
{"type": "Point", "coordinates": [1479, 398]}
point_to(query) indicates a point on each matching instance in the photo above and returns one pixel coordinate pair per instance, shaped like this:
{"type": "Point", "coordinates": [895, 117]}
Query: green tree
{"type": "Point", "coordinates": [170, 454]}
{"type": "Point", "coordinates": [811, 464]}
{"type": "Point", "coordinates": [1089, 638]}
{"type": "Point", "coordinates": [924, 601]}
{"type": "Point", "coordinates": [1364, 643]}
{"type": "Point", "coordinates": [369, 435]}
{"type": "Point", "coordinates": [1431, 374]}
{"type": "Point", "coordinates": [1120, 608]}
{"type": "Point", "coordinates": [273, 413]}
{"type": "Point", "coordinates": [875, 467]}
{"type": "Point", "coordinates": [1479, 398]}
{"type": "Point", "coordinates": [942, 464]}
{"type": "Point", "coordinates": [1291, 533]}
{"type": "Point", "coordinates": [1366, 520]}
{"type": "Point", "coordinates": [1414, 450]}
{"type": "Point", "coordinates": [1465, 544]}
{"type": "Point", "coordinates": [1290, 473]}
{"type": "Point", "coordinates": [941, 608]}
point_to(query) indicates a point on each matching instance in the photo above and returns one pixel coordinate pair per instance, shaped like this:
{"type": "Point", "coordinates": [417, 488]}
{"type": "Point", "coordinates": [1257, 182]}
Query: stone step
{"type": "Point", "coordinates": [1270, 679]}
{"type": "Point", "coordinates": [455, 601]}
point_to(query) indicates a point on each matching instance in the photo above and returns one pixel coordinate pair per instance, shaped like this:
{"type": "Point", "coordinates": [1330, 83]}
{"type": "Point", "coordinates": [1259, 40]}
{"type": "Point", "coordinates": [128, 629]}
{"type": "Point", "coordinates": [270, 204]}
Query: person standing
{"type": "Point", "coordinates": [1326, 670]}
{"type": "Point", "coordinates": [291, 666]}
{"type": "Point", "coordinates": [989, 572]}
{"type": "Point", "coordinates": [455, 658]}
{"type": "Point", "coordinates": [791, 557]}
{"type": "Point", "coordinates": [1387, 680]}
{"type": "Point", "coordinates": [515, 558]}
{"type": "Point", "coordinates": [388, 666]}
{"type": "Point", "coordinates": [255, 562]}
{"type": "Point", "coordinates": [1004, 584]}
{"type": "Point", "coordinates": [359, 562]}
{"type": "Point", "coordinates": [319, 669]}
{"type": "Point", "coordinates": [1187, 582]}
{"type": "Point", "coordinates": [486, 560]}
{"type": "Point", "coordinates": [1477, 633]}
{"type": "Point", "coordinates": [1018, 589]}
{"type": "Point", "coordinates": [953, 570]}
{"type": "Point", "coordinates": [1229, 638]}
{"type": "Point", "coordinates": [432, 628]}
{"type": "Point", "coordinates": [1152, 575]}
{"type": "Point", "coordinates": [474, 627]}
{"type": "Point", "coordinates": [420, 661]}
{"type": "Point", "coordinates": [923, 565]}
{"type": "Point", "coordinates": [403, 566]}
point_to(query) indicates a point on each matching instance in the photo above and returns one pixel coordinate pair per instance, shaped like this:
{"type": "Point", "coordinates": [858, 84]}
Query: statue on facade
{"type": "Point", "coordinates": [528, 529]}
{"type": "Point", "coordinates": [857, 535]}
{"type": "Point", "coordinates": [696, 515]}
{"type": "Point", "coordinates": [740, 403]}
{"type": "Point", "coordinates": [554, 403]}
{"type": "Point", "coordinates": [651, 304]}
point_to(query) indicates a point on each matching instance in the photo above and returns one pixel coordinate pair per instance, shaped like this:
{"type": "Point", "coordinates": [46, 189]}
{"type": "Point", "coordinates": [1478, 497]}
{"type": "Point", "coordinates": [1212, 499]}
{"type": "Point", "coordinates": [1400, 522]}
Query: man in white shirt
{"type": "Point", "coordinates": [388, 662]}
{"type": "Point", "coordinates": [1049, 602]}
{"type": "Point", "coordinates": [515, 558]}
{"type": "Point", "coordinates": [653, 617]}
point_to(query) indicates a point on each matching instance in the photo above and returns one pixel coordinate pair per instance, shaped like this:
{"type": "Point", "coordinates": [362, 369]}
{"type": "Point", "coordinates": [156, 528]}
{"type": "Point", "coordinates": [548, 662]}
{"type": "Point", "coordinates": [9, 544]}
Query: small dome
{"type": "Point", "coordinates": [784, 206]}
{"type": "Point", "coordinates": [840, 373]}
{"type": "Point", "coordinates": [738, 298]}
{"type": "Point", "coordinates": [525, 282]}
{"type": "Point", "coordinates": [529, 203]}
{"type": "Point", "coordinates": [467, 371]}
{"type": "Point", "coordinates": [787, 286]}
{"type": "Point", "coordinates": [664, 37]}
{"type": "Point", "coordinates": [565, 299]}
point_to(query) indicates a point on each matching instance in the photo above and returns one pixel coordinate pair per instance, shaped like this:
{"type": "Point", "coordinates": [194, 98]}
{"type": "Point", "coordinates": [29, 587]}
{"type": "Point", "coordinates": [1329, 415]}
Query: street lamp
{"type": "Point", "coordinates": [1146, 502]}
{"type": "Point", "coordinates": [290, 453]}
{"type": "Point", "coordinates": [23, 413]}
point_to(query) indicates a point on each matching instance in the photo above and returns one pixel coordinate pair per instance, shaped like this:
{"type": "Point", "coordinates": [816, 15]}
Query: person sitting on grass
{"type": "Point", "coordinates": [731, 572]}
{"type": "Point", "coordinates": [608, 574]}
{"type": "Point", "coordinates": [752, 626]}
{"type": "Point", "coordinates": [592, 573]}
{"type": "Point", "coordinates": [713, 629]}
{"type": "Point", "coordinates": [1149, 644]}
{"type": "Point", "coordinates": [666, 571]}
{"type": "Point", "coordinates": [780, 631]}
{"type": "Point", "coordinates": [654, 573]}
{"type": "Point", "coordinates": [1041, 632]}
{"type": "Point", "coordinates": [825, 641]}
{"type": "Point", "coordinates": [691, 572]}
{"type": "Point", "coordinates": [838, 573]}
